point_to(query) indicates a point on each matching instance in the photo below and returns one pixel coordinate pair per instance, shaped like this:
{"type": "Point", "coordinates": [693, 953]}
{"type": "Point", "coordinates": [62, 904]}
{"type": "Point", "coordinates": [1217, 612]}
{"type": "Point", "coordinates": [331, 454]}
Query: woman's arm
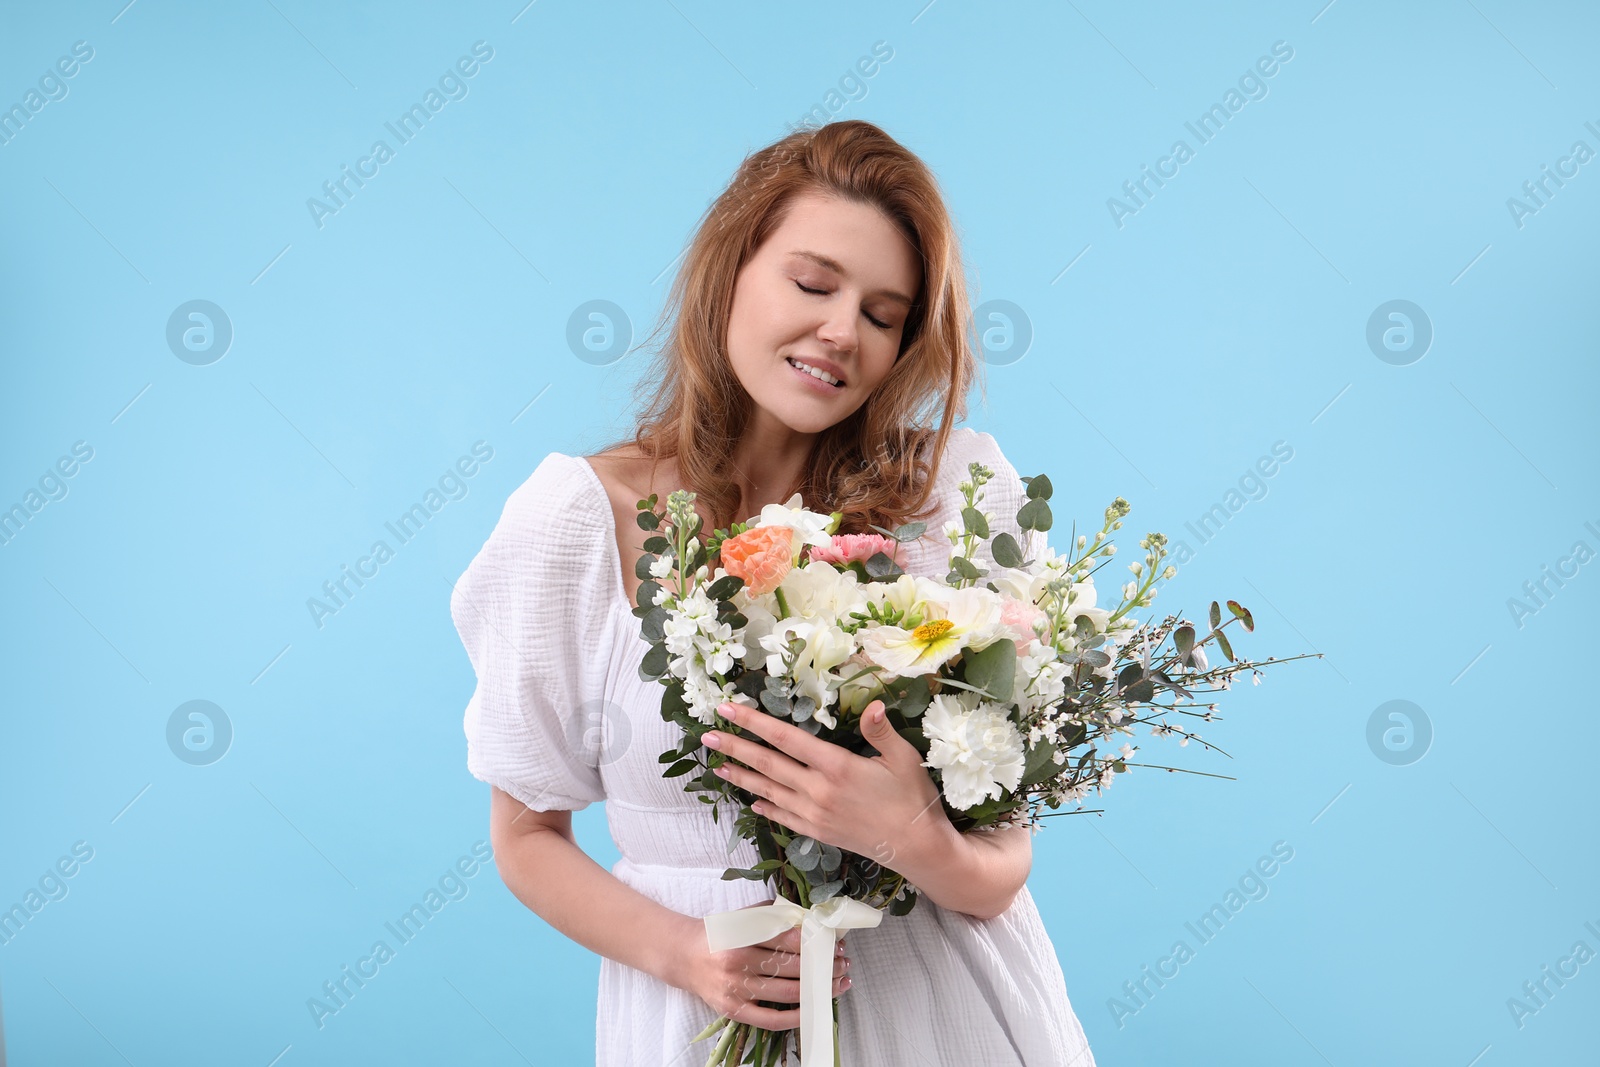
{"type": "Point", "coordinates": [978, 873]}
{"type": "Point", "coordinates": [540, 862]}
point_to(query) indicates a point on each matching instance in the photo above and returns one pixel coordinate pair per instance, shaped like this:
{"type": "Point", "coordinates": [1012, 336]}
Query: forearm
{"type": "Point", "coordinates": [978, 873]}
{"type": "Point", "coordinates": [561, 884]}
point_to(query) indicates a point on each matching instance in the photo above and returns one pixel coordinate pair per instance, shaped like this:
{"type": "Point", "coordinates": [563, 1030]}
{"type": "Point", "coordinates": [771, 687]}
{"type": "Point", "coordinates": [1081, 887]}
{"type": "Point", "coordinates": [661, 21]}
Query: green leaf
{"type": "Point", "coordinates": [739, 872]}
{"type": "Point", "coordinates": [648, 520]}
{"type": "Point", "coordinates": [683, 766]}
{"type": "Point", "coordinates": [1040, 763]}
{"type": "Point", "coordinates": [974, 522]}
{"type": "Point", "coordinates": [1216, 614]}
{"type": "Point", "coordinates": [645, 595]}
{"type": "Point", "coordinates": [1183, 640]}
{"type": "Point", "coordinates": [1039, 487]}
{"type": "Point", "coordinates": [1128, 675]}
{"type": "Point", "coordinates": [1141, 692]}
{"type": "Point", "coordinates": [913, 699]}
{"type": "Point", "coordinates": [654, 664]}
{"type": "Point", "coordinates": [725, 587]}
{"type": "Point", "coordinates": [1034, 515]}
{"type": "Point", "coordinates": [653, 626]}
{"type": "Point", "coordinates": [1005, 550]}
{"type": "Point", "coordinates": [880, 565]}
{"type": "Point", "coordinates": [1161, 676]}
{"type": "Point", "coordinates": [994, 669]}
{"type": "Point", "coordinates": [656, 544]}
{"type": "Point", "coordinates": [1222, 643]}
{"type": "Point", "coordinates": [826, 890]}
{"type": "Point", "coordinates": [1242, 614]}
{"type": "Point", "coordinates": [909, 531]}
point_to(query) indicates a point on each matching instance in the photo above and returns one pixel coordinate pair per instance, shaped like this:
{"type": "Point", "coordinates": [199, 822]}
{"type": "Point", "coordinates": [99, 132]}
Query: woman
{"type": "Point", "coordinates": [819, 321]}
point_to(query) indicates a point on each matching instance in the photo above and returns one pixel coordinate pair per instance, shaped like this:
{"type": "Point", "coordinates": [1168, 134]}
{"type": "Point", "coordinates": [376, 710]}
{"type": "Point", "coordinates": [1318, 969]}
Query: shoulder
{"type": "Point", "coordinates": [966, 445]}
{"type": "Point", "coordinates": [562, 496]}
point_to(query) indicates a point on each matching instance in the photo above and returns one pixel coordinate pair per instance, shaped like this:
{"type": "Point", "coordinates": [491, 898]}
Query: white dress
{"type": "Point", "coordinates": [560, 719]}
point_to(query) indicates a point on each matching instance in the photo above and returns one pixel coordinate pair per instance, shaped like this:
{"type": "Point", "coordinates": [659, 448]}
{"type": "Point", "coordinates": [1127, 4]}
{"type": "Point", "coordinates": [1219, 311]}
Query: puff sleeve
{"type": "Point", "coordinates": [533, 610]}
{"type": "Point", "coordinates": [1003, 495]}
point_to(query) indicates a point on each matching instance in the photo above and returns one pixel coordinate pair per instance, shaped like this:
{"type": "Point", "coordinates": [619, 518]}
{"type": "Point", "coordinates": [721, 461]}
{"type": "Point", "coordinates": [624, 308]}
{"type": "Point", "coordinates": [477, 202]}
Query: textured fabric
{"type": "Point", "coordinates": [561, 719]}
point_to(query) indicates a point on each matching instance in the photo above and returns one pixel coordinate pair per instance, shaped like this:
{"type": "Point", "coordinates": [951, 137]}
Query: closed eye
{"type": "Point", "coordinates": [821, 292]}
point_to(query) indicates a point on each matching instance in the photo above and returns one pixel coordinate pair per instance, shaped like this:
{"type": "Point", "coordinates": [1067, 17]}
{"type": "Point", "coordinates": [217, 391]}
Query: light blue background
{"type": "Point", "coordinates": [368, 354]}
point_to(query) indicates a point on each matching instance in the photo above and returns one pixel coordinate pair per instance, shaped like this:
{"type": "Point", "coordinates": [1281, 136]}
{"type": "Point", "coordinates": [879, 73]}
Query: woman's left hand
{"type": "Point", "coordinates": [874, 806]}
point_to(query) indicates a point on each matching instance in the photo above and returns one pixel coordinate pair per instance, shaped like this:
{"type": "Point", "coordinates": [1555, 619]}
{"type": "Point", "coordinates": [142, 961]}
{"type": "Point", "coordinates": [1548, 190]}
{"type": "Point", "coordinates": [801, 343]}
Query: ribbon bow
{"type": "Point", "coordinates": [820, 926]}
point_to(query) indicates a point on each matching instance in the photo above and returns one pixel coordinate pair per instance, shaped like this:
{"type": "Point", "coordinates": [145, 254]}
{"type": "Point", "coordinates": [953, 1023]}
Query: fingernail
{"type": "Point", "coordinates": [712, 739]}
{"type": "Point", "coordinates": [845, 982]}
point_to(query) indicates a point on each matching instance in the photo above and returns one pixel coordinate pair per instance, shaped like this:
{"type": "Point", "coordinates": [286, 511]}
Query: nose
{"type": "Point", "coordinates": [839, 329]}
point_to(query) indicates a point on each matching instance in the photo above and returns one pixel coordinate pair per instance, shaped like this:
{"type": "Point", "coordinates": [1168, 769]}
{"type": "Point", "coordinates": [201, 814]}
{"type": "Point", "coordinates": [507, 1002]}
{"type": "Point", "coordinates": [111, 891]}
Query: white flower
{"type": "Point", "coordinates": [662, 567]}
{"type": "Point", "coordinates": [809, 527]}
{"type": "Point", "coordinates": [959, 619]}
{"type": "Point", "coordinates": [974, 746]}
{"type": "Point", "coordinates": [823, 647]}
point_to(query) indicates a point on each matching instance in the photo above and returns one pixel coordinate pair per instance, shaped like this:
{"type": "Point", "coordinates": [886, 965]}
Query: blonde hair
{"type": "Point", "coordinates": [878, 465]}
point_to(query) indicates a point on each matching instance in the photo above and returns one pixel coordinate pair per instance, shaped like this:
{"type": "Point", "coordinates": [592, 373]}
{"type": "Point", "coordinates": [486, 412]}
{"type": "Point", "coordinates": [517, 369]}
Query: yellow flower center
{"type": "Point", "coordinates": [929, 632]}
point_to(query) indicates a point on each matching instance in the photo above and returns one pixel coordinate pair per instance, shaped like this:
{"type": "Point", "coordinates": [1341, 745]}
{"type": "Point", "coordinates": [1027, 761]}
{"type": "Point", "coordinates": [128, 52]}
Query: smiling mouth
{"type": "Point", "coordinates": [815, 372]}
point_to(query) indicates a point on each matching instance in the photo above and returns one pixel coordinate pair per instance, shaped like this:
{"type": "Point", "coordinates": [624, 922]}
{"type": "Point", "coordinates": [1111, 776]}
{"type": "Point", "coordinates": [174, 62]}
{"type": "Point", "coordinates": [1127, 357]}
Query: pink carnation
{"type": "Point", "coordinates": [854, 548]}
{"type": "Point", "coordinates": [1019, 616]}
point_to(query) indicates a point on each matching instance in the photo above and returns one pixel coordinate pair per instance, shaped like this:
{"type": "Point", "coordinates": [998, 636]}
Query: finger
{"type": "Point", "coordinates": [784, 990]}
{"type": "Point", "coordinates": [776, 964]}
{"type": "Point", "coordinates": [774, 1019]}
{"type": "Point", "coordinates": [767, 761]}
{"type": "Point", "coordinates": [752, 782]}
{"type": "Point", "coordinates": [785, 737]}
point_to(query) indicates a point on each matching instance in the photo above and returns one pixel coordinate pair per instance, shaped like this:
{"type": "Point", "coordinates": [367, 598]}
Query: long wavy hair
{"type": "Point", "coordinates": [878, 465]}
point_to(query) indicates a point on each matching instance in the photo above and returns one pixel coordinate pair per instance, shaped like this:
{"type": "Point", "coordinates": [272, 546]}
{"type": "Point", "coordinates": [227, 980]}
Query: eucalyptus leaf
{"type": "Point", "coordinates": [909, 531]}
{"type": "Point", "coordinates": [1039, 487]}
{"type": "Point", "coordinates": [974, 522]}
{"type": "Point", "coordinates": [880, 565]}
{"type": "Point", "coordinates": [1005, 550]}
{"type": "Point", "coordinates": [725, 587]}
{"type": "Point", "coordinates": [1034, 515]}
{"type": "Point", "coordinates": [826, 891]}
{"type": "Point", "coordinates": [1141, 692]}
{"type": "Point", "coordinates": [653, 627]}
{"type": "Point", "coordinates": [654, 663]}
{"type": "Point", "coordinates": [994, 669]}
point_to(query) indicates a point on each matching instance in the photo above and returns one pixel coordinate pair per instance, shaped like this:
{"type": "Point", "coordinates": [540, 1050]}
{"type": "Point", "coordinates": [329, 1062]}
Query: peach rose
{"type": "Point", "coordinates": [762, 557]}
{"type": "Point", "coordinates": [853, 548]}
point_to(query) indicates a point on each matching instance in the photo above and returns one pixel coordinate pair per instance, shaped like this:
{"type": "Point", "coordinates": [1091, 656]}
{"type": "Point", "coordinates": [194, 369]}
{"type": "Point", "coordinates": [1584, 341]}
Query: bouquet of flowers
{"type": "Point", "coordinates": [1009, 679]}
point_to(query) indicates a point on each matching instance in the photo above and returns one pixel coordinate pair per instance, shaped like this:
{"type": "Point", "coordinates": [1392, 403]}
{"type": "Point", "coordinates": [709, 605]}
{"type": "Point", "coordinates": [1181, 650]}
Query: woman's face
{"type": "Point", "coordinates": [831, 287]}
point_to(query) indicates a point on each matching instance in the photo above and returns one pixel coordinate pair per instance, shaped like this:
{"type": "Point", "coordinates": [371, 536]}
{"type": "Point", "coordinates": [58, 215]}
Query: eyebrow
{"type": "Point", "coordinates": [834, 265]}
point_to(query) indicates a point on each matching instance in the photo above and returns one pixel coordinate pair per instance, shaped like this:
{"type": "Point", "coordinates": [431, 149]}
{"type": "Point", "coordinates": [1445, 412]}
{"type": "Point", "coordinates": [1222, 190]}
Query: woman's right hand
{"type": "Point", "coordinates": [733, 980]}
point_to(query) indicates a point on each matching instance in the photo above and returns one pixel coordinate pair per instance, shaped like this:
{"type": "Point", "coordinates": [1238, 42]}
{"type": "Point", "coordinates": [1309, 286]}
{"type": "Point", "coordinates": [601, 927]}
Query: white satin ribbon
{"type": "Point", "coordinates": [820, 926]}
